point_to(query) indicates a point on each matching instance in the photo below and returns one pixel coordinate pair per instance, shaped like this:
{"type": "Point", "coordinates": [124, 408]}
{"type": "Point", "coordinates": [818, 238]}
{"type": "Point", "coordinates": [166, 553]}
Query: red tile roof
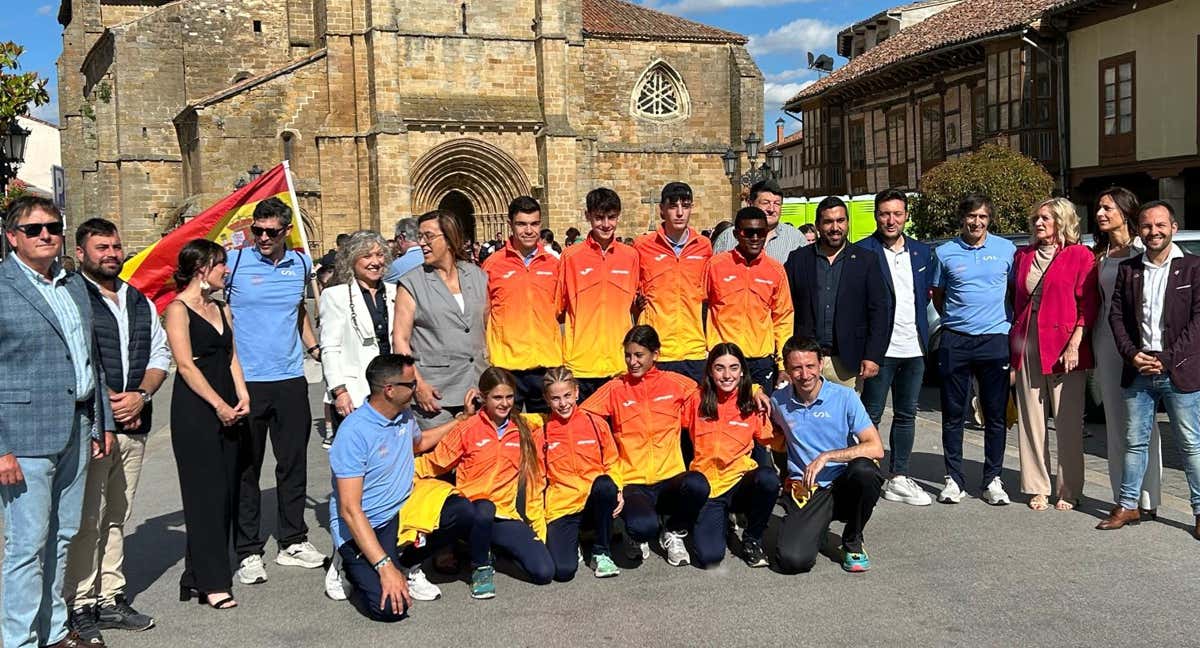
{"type": "Point", "coordinates": [968, 21]}
{"type": "Point", "coordinates": [620, 19]}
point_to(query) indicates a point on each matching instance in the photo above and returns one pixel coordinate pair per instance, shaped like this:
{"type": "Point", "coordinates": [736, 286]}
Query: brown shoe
{"type": "Point", "coordinates": [1118, 518]}
{"type": "Point", "coordinates": [72, 640]}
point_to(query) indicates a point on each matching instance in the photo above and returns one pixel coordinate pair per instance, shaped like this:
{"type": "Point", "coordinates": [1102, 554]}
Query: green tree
{"type": "Point", "coordinates": [1014, 183]}
{"type": "Point", "coordinates": [17, 91]}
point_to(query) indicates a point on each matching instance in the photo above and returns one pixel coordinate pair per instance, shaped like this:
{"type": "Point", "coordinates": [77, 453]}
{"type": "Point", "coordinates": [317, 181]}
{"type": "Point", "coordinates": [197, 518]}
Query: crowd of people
{"type": "Point", "coordinates": [531, 404]}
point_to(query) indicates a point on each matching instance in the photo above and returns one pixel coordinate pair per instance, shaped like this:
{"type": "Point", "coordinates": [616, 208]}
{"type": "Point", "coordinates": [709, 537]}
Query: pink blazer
{"type": "Point", "coordinates": [1070, 298]}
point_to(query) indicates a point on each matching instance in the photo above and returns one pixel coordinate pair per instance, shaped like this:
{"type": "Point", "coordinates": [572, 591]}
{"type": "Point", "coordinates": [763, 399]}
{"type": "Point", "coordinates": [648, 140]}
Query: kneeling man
{"type": "Point", "coordinates": [376, 504]}
{"type": "Point", "coordinates": [832, 450]}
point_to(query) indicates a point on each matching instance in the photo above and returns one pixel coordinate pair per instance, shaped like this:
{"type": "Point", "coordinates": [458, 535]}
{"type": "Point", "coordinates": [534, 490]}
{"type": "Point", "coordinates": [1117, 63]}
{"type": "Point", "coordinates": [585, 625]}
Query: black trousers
{"type": "Point", "coordinates": [209, 473]}
{"type": "Point", "coordinates": [588, 386]}
{"type": "Point", "coordinates": [529, 390]}
{"type": "Point", "coordinates": [562, 534]}
{"type": "Point", "coordinates": [678, 499]}
{"type": "Point", "coordinates": [755, 495]}
{"type": "Point", "coordinates": [693, 369]}
{"type": "Point", "coordinates": [850, 498]}
{"type": "Point", "coordinates": [278, 409]}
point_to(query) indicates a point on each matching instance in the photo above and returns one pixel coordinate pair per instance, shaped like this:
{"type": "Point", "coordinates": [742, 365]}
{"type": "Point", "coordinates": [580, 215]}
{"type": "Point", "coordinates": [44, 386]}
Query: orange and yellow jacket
{"type": "Point", "coordinates": [522, 324]}
{"type": "Point", "coordinates": [646, 415]}
{"type": "Point", "coordinates": [722, 445]}
{"type": "Point", "coordinates": [674, 290]}
{"type": "Point", "coordinates": [749, 303]}
{"type": "Point", "coordinates": [486, 466]}
{"type": "Point", "coordinates": [595, 291]}
{"type": "Point", "coordinates": [578, 450]}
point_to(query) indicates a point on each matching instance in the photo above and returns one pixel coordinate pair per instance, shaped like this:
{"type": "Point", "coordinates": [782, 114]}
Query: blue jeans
{"type": "Point", "coordinates": [901, 376]}
{"type": "Point", "coordinates": [41, 515]}
{"type": "Point", "coordinates": [1141, 401]}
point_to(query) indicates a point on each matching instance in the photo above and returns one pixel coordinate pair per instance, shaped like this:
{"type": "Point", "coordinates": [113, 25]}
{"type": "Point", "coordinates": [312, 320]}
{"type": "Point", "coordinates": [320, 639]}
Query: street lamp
{"type": "Point", "coordinates": [768, 170]}
{"type": "Point", "coordinates": [254, 171]}
{"type": "Point", "coordinates": [12, 151]}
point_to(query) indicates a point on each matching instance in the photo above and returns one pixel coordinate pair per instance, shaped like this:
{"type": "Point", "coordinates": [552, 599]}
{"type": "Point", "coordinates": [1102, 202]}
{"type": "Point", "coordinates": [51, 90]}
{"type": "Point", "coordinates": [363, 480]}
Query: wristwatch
{"type": "Point", "coordinates": [145, 396]}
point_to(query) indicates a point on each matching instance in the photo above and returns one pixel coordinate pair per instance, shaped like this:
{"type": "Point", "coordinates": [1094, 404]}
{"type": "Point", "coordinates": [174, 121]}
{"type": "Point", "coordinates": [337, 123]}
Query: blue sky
{"type": "Point", "coordinates": [780, 31]}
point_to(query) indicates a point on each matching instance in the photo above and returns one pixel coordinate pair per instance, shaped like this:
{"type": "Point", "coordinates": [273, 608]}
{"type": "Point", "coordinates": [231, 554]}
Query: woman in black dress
{"type": "Point", "coordinates": [208, 408]}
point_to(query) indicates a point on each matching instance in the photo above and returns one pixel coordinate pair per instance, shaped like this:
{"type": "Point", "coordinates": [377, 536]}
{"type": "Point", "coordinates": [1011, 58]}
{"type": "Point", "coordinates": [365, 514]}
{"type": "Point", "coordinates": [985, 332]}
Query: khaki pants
{"type": "Point", "coordinates": [1062, 396]}
{"type": "Point", "coordinates": [97, 552]}
{"type": "Point", "coordinates": [833, 370]}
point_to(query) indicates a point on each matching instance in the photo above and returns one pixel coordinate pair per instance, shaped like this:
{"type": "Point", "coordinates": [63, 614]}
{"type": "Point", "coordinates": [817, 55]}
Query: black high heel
{"type": "Point", "coordinates": [186, 593]}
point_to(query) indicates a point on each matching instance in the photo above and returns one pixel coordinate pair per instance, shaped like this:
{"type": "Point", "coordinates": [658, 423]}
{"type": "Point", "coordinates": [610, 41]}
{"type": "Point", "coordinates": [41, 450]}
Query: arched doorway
{"type": "Point", "coordinates": [455, 201]}
{"type": "Point", "coordinates": [481, 175]}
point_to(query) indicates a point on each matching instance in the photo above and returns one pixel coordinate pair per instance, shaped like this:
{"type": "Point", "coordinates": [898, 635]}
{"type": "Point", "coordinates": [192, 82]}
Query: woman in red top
{"type": "Point", "coordinates": [497, 459]}
{"type": "Point", "coordinates": [581, 461]}
{"type": "Point", "coordinates": [645, 406]}
{"type": "Point", "coordinates": [724, 421]}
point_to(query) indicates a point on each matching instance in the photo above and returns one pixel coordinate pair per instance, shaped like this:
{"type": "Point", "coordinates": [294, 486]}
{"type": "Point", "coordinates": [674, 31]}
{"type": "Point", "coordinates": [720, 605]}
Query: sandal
{"type": "Point", "coordinates": [1039, 503]}
{"type": "Point", "coordinates": [226, 603]}
{"type": "Point", "coordinates": [1064, 505]}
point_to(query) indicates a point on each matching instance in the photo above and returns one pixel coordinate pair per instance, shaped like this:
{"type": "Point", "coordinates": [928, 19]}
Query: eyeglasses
{"type": "Point", "coordinates": [753, 232]}
{"type": "Point", "coordinates": [271, 232]}
{"type": "Point", "coordinates": [411, 384]}
{"type": "Point", "coordinates": [423, 237]}
{"type": "Point", "coordinates": [35, 229]}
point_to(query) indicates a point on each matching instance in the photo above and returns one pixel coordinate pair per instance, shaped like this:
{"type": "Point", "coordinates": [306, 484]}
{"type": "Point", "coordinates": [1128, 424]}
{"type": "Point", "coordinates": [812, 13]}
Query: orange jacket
{"type": "Point", "coordinates": [749, 304]}
{"type": "Point", "coordinates": [578, 450]}
{"type": "Point", "coordinates": [522, 324]}
{"type": "Point", "coordinates": [722, 445]}
{"type": "Point", "coordinates": [646, 416]}
{"type": "Point", "coordinates": [486, 466]}
{"type": "Point", "coordinates": [595, 291]}
{"type": "Point", "coordinates": [674, 292]}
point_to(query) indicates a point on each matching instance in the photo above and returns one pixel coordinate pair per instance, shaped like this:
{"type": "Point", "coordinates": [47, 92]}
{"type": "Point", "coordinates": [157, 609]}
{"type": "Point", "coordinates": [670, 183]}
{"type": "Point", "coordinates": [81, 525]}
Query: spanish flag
{"type": "Point", "coordinates": [227, 222]}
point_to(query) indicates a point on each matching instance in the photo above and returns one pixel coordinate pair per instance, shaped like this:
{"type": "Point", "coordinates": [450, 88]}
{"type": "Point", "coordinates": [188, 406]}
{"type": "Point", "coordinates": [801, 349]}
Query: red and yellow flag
{"type": "Point", "coordinates": [227, 222]}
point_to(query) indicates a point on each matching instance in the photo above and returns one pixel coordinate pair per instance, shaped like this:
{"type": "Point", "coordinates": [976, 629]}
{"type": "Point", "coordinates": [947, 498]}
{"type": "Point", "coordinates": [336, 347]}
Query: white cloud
{"type": "Point", "coordinates": [703, 6]}
{"type": "Point", "coordinates": [801, 35]}
{"type": "Point", "coordinates": [45, 10]}
{"type": "Point", "coordinates": [798, 74]}
{"type": "Point", "coordinates": [46, 112]}
{"type": "Point", "coordinates": [775, 94]}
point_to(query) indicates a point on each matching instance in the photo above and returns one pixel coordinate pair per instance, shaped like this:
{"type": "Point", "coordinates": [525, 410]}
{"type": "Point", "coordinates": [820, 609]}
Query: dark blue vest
{"type": "Point", "coordinates": [108, 341]}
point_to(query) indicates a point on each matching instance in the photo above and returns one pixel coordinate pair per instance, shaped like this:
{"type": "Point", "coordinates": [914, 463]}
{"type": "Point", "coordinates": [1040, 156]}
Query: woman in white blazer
{"type": "Point", "coordinates": [355, 327]}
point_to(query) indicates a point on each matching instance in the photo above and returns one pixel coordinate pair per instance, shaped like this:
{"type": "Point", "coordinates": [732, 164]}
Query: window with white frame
{"type": "Point", "coordinates": [660, 94]}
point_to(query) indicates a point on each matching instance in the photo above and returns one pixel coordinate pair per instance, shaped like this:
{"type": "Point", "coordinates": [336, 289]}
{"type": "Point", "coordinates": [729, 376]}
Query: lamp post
{"type": "Point", "coordinates": [12, 151]}
{"type": "Point", "coordinates": [768, 170]}
{"type": "Point", "coordinates": [253, 172]}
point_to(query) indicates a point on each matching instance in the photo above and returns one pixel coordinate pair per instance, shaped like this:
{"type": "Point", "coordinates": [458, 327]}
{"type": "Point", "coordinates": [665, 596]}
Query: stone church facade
{"type": "Point", "coordinates": [396, 107]}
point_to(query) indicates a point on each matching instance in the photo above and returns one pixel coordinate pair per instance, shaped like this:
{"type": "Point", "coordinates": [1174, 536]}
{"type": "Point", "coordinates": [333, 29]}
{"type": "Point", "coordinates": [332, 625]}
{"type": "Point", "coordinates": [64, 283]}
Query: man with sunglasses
{"type": "Point", "coordinates": [53, 399]}
{"type": "Point", "coordinates": [749, 303]}
{"type": "Point", "coordinates": [265, 290]}
{"type": "Point", "coordinates": [782, 238]}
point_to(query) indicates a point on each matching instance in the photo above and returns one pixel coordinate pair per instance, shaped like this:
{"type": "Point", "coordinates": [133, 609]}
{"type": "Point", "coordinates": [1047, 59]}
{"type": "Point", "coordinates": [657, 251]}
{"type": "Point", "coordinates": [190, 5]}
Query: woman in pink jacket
{"type": "Point", "coordinates": [1056, 303]}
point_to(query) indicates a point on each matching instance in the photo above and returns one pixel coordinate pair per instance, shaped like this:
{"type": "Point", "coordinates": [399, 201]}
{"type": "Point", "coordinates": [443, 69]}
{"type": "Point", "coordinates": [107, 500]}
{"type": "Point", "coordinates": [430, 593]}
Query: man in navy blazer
{"type": "Point", "coordinates": [54, 415]}
{"type": "Point", "coordinates": [907, 269]}
{"type": "Point", "coordinates": [839, 298]}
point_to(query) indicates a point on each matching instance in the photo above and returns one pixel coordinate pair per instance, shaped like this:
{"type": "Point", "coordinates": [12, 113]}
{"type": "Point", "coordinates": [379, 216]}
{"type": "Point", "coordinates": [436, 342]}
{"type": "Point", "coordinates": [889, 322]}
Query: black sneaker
{"type": "Point", "coordinates": [753, 554]}
{"type": "Point", "coordinates": [83, 622]}
{"type": "Point", "coordinates": [121, 616]}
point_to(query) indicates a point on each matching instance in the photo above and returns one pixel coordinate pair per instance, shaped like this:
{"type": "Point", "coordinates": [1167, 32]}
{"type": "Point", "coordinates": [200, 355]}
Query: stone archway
{"type": "Point", "coordinates": [455, 201]}
{"type": "Point", "coordinates": [469, 172]}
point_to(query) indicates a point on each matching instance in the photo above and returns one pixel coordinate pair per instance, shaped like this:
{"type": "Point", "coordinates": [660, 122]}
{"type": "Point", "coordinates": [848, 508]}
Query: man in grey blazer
{"type": "Point", "coordinates": [54, 414]}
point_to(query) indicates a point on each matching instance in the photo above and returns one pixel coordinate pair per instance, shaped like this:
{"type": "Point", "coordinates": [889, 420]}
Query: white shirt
{"type": "Point", "coordinates": [905, 342]}
{"type": "Point", "coordinates": [160, 355]}
{"type": "Point", "coordinates": [1154, 291]}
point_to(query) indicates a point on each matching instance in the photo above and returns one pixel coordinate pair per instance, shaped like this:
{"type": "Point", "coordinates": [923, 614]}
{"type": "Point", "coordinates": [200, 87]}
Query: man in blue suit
{"type": "Point", "coordinates": [907, 269]}
{"type": "Point", "coordinates": [54, 414]}
{"type": "Point", "coordinates": [839, 298]}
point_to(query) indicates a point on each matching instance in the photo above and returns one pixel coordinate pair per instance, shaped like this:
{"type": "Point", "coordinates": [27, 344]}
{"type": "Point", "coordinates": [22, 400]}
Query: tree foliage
{"type": "Point", "coordinates": [1014, 183]}
{"type": "Point", "coordinates": [17, 91]}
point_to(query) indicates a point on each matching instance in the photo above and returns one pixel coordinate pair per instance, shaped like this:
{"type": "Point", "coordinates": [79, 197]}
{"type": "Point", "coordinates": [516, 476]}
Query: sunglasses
{"type": "Point", "coordinates": [753, 232]}
{"type": "Point", "coordinates": [411, 384]}
{"type": "Point", "coordinates": [35, 229]}
{"type": "Point", "coordinates": [271, 232]}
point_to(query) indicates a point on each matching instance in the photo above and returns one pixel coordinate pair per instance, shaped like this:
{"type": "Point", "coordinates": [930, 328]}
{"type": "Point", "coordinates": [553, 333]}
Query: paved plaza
{"type": "Point", "coordinates": [966, 574]}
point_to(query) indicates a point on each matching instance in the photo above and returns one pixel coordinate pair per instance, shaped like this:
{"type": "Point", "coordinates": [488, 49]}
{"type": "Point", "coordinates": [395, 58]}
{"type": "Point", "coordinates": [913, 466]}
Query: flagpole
{"type": "Point", "coordinates": [296, 217]}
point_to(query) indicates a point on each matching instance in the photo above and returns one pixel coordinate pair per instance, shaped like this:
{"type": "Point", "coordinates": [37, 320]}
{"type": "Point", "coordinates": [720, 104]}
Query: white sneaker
{"type": "Point", "coordinates": [637, 550]}
{"type": "Point", "coordinates": [902, 488]}
{"type": "Point", "coordinates": [334, 588]}
{"type": "Point", "coordinates": [251, 570]}
{"type": "Point", "coordinates": [994, 493]}
{"type": "Point", "coordinates": [951, 494]}
{"type": "Point", "coordinates": [672, 543]}
{"type": "Point", "coordinates": [301, 554]}
{"type": "Point", "coordinates": [420, 588]}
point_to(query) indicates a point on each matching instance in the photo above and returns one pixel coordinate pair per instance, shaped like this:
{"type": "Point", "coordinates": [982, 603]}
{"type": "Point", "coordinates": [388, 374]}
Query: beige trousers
{"type": "Point", "coordinates": [833, 370]}
{"type": "Point", "coordinates": [1061, 396]}
{"type": "Point", "coordinates": [95, 559]}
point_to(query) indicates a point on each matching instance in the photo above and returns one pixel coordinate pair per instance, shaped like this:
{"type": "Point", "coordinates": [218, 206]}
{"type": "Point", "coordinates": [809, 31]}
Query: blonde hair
{"type": "Point", "coordinates": [1066, 219]}
{"type": "Point", "coordinates": [558, 375]}
{"type": "Point", "coordinates": [357, 246]}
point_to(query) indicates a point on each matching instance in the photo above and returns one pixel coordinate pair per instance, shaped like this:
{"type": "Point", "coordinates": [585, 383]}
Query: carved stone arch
{"type": "Point", "coordinates": [660, 94]}
{"type": "Point", "coordinates": [482, 173]}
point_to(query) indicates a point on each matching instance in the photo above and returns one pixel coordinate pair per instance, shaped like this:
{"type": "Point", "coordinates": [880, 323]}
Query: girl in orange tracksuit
{"type": "Point", "coordinates": [581, 460]}
{"type": "Point", "coordinates": [645, 405]}
{"type": "Point", "coordinates": [499, 463]}
{"type": "Point", "coordinates": [724, 421]}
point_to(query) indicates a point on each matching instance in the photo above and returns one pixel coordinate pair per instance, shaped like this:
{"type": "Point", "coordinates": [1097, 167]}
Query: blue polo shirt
{"type": "Point", "coordinates": [265, 298]}
{"type": "Point", "coordinates": [830, 423]}
{"type": "Point", "coordinates": [379, 450]}
{"type": "Point", "coordinates": [412, 258]}
{"type": "Point", "coordinates": [976, 283]}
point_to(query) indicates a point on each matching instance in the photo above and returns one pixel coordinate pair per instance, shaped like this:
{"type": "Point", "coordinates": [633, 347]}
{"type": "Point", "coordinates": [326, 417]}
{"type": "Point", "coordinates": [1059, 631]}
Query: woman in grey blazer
{"type": "Point", "coordinates": [440, 310]}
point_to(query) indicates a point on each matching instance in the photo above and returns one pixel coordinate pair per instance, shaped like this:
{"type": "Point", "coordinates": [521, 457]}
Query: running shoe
{"type": "Point", "coordinates": [605, 567]}
{"type": "Point", "coordinates": [483, 585]}
{"type": "Point", "coordinates": [952, 493]}
{"type": "Point", "coordinates": [855, 562]}
{"type": "Point", "coordinates": [672, 544]}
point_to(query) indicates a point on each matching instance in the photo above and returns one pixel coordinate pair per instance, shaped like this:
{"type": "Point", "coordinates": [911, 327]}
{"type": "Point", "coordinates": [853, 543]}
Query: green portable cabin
{"type": "Point", "coordinates": [799, 211]}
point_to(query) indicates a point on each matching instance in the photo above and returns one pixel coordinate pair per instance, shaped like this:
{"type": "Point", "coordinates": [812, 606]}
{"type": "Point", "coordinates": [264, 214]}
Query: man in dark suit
{"type": "Point", "coordinates": [1155, 320]}
{"type": "Point", "coordinates": [839, 298]}
{"type": "Point", "coordinates": [907, 269]}
{"type": "Point", "coordinates": [52, 399]}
